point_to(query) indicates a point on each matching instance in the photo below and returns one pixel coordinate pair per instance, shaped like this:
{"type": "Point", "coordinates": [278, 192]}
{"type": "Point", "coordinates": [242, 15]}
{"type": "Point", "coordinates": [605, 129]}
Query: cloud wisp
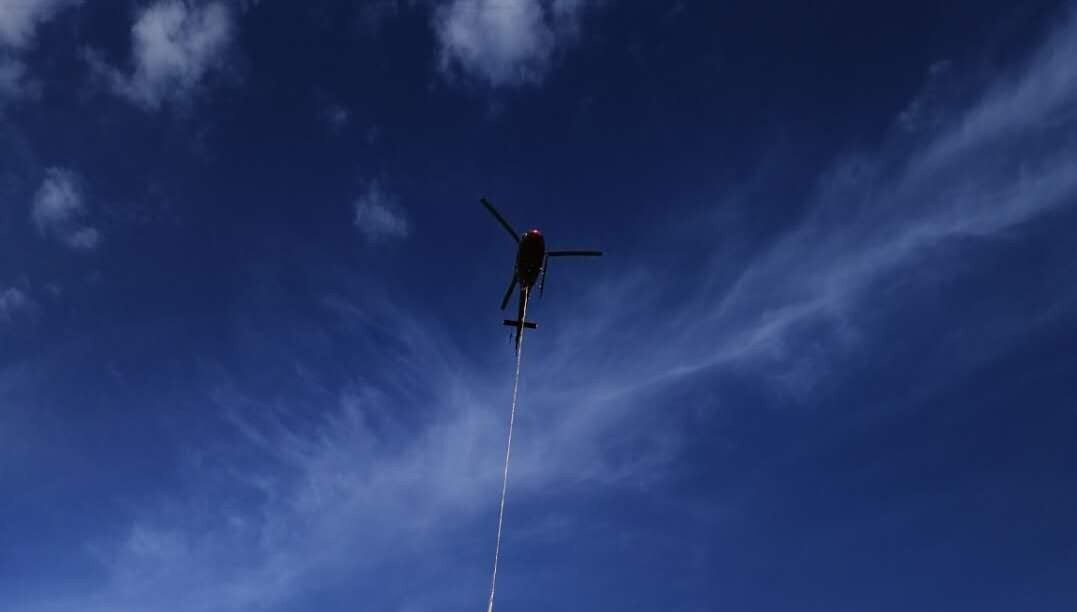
{"type": "Point", "coordinates": [19, 22]}
{"type": "Point", "coordinates": [176, 47]}
{"type": "Point", "coordinates": [19, 19]}
{"type": "Point", "coordinates": [361, 478]}
{"type": "Point", "coordinates": [378, 216]}
{"type": "Point", "coordinates": [503, 44]}
{"type": "Point", "coordinates": [1003, 161]}
{"type": "Point", "coordinates": [58, 210]}
{"type": "Point", "coordinates": [13, 79]}
{"type": "Point", "coordinates": [14, 303]}
{"type": "Point", "coordinates": [336, 117]}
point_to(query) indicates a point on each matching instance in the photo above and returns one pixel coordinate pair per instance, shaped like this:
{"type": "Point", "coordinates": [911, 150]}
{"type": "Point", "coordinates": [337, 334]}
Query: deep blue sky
{"type": "Point", "coordinates": [250, 353]}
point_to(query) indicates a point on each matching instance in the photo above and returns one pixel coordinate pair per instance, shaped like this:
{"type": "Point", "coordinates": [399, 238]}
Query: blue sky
{"type": "Point", "coordinates": [250, 352]}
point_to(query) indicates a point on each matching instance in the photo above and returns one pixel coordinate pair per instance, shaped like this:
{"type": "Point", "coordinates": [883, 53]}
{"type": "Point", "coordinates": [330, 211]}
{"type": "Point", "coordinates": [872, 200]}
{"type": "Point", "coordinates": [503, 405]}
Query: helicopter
{"type": "Point", "coordinates": [532, 261]}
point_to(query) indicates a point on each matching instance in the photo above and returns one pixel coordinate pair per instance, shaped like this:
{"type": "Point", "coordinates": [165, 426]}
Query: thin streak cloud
{"type": "Point", "coordinates": [348, 485]}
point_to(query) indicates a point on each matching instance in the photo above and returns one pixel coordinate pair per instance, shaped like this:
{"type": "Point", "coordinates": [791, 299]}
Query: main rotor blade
{"type": "Point", "coordinates": [505, 224]}
{"type": "Point", "coordinates": [508, 293]}
{"type": "Point", "coordinates": [574, 253]}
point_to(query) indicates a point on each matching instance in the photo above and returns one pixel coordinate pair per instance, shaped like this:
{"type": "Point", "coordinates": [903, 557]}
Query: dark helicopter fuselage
{"type": "Point", "coordinates": [529, 256]}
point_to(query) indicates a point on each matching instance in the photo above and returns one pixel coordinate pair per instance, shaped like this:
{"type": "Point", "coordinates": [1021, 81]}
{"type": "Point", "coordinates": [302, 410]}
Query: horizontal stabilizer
{"type": "Point", "coordinates": [527, 324]}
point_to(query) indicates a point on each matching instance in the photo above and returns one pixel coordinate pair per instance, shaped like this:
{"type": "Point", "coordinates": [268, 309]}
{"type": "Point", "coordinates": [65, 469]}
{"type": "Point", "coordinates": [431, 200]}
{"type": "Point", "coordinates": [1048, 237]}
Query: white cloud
{"type": "Point", "coordinates": [346, 495]}
{"type": "Point", "coordinates": [358, 490]}
{"type": "Point", "coordinates": [14, 303]}
{"type": "Point", "coordinates": [1030, 101]}
{"type": "Point", "coordinates": [378, 215]}
{"type": "Point", "coordinates": [919, 114]}
{"type": "Point", "coordinates": [19, 19]}
{"type": "Point", "coordinates": [1001, 162]}
{"type": "Point", "coordinates": [14, 81]}
{"type": "Point", "coordinates": [58, 209]}
{"type": "Point", "coordinates": [83, 238]}
{"type": "Point", "coordinates": [504, 43]}
{"type": "Point", "coordinates": [176, 45]}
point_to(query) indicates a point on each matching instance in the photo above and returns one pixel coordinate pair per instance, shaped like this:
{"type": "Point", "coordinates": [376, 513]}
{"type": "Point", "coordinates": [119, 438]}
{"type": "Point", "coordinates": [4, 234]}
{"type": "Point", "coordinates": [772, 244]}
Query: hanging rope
{"type": "Point", "coordinates": [508, 452]}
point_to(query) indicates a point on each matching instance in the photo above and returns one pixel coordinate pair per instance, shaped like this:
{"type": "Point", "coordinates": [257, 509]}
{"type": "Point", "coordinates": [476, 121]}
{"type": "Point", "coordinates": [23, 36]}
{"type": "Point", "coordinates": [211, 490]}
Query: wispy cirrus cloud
{"type": "Point", "coordinates": [504, 43]}
{"type": "Point", "coordinates": [357, 478]}
{"type": "Point", "coordinates": [58, 210]}
{"type": "Point", "coordinates": [361, 477]}
{"type": "Point", "coordinates": [176, 47]}
{"type": "Point", "coordinates": [981, 173]}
